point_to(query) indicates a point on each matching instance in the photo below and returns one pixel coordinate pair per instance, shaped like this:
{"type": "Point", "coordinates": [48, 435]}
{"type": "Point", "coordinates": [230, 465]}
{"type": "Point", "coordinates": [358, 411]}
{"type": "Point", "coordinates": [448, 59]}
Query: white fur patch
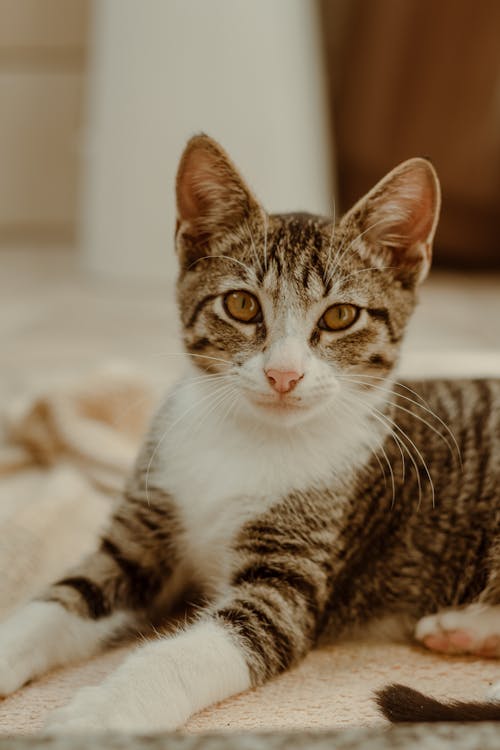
{"type": "Point", "coordinates": [161, 685]}
{"type": "Point", "coordinates": [244, 465]}
{"type": "Point", "coordinates": [43, 635]}
{"type": "Point", "coordinates": [472, 630]}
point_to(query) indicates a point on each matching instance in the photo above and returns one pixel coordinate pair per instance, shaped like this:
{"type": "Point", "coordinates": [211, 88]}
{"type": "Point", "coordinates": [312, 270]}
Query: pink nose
{"type": "Point", "coordinates": [283, 382]}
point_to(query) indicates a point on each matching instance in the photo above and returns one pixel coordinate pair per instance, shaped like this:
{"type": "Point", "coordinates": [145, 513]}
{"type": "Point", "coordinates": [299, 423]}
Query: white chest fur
{"type": "Point", "coordinates": [223, 471]}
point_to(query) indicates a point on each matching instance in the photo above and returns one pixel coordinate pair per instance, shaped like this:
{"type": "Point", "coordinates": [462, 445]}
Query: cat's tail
{"type": "Point", "coordinates": [399, 703]}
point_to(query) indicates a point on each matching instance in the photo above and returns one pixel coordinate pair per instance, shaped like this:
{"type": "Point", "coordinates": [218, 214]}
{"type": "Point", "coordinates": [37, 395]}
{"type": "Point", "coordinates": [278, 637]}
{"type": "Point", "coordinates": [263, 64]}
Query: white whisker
{"type": "Point", "coordinates": [257, 259]}
{"type": "Point", "coordinates": [380, 446]}
{"type": "Point", "coordinates": [423, 406]}
{"type": "Point", "coordinates": [330, 244]}
{"type": "Point", "coordinates": [219, 401]}
{"type": "Point", "coordinates": [248, 269]}
{"type": "Point", "coordinates": [419, 454]}
{"type": "Point", "coordinates": [391, 426]}
{"type": "Point", "coordinates": [265, 241]}
{"type": "Point", "coordinates": [191, 354]}
{"type": "Point", "coordinates": [343, 279]}
{"type": "Point", "coordinates": [341, 253]}
{"type": "Point", "coordinates": [171, 427]}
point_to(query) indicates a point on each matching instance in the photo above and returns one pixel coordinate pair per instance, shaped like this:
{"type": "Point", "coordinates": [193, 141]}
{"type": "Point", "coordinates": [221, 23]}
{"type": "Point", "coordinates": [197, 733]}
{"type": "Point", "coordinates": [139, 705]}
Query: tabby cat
{"type": "Point", "coordinates": [287, 477]}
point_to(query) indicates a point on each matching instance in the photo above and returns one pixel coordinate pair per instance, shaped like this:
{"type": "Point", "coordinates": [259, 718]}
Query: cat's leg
{"type": "Point", "coordinates": [266, 620]}
{"type": "Point", "coordinates": [474, 629]}
{"type": "Point", "coordinates": [98, 599]}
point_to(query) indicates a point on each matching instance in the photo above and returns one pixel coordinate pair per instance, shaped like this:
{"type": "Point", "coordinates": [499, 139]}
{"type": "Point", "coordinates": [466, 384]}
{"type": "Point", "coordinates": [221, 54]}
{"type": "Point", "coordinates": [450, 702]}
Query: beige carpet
{"type": "Point", "coordinates": [331, 688]}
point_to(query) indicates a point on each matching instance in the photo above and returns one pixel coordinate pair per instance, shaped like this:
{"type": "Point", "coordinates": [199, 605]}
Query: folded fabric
{"type": "Point", "coordinates": [65, 452]}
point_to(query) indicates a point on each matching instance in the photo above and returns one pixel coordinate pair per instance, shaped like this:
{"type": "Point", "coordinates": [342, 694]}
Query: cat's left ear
{"type": "Point", "coordinates": [398, 218]}
{"type": "Point", "coordinates": [212, 198]}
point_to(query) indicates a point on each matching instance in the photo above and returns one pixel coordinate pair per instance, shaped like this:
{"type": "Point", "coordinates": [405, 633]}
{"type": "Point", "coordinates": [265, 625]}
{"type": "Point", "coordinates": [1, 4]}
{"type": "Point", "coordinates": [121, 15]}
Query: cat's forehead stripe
{"type": "Point", "coordinates": [297, 251]}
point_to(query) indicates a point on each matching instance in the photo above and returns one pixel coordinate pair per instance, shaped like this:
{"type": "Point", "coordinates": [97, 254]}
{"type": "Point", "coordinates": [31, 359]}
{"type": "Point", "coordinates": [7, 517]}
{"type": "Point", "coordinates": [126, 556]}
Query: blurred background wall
{"type": "Point", "coordinates": [251, 74]}
{"type": "Point", "coordinates": [97, 99]}
{"type": "Point", "coordinates": [422, 77]}
{"type": "Point", "coordinates": [43, 53]}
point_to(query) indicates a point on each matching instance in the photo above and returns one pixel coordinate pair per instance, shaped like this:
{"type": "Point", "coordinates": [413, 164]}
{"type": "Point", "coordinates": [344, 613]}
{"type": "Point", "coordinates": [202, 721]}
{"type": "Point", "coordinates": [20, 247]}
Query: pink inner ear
{"type": "Point", "coordinates": [420, 200]}
{"type": "Point", "coordinates": [404, 212]}
{"type": "Point", "coordinates": [196, 183]}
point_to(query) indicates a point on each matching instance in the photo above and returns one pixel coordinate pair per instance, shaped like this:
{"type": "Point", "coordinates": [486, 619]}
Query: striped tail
{"type": "Point", "coordinates": [399, 704]}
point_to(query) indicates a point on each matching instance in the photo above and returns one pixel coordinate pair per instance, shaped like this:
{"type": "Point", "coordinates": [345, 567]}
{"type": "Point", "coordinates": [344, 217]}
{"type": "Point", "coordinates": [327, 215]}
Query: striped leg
{"type": "Point", "coordinates": [96, 600]}
{"type": "Point", "coordinates": [266, 620]}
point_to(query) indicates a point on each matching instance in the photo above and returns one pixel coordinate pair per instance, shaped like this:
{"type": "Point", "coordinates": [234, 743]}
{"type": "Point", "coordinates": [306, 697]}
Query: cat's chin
{"type": "Point", "coordinates": [282, 411]}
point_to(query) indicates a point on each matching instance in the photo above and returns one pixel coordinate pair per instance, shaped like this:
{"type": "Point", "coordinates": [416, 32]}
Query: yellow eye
{"type": "Point", "coordinates": [242, 306]}
{"type": "Point", "coordinates": [339, 317]}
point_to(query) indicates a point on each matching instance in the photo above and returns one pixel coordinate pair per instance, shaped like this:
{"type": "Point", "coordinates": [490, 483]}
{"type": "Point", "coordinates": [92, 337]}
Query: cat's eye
{"type": "Point", "coordinates": [242, 306]}
{"type": "Point", "coordinates": [339, 317]}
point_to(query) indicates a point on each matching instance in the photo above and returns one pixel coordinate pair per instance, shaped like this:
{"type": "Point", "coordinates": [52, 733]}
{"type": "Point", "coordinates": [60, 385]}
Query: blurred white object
{"type": "Point", "coordinates": [250, 74]}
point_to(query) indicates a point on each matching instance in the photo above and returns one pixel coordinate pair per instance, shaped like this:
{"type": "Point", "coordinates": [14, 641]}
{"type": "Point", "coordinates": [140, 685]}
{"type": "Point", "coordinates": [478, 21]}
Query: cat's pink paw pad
{"type": "Point", "coordinates": [455, 641]}
{"type": "Point", "coordinates": [490, 647]}
{"type": "Point", "coordinates": [473, 630]}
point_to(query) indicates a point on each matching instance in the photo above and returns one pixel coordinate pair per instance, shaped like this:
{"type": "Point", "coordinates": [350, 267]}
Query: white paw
{"type": "Point", "coordinates": [99, 709]}
{"type": "Point", "coordinates": [121, 703]}
{"type": "Point", "coordinates": [11, 677]}
{"type": "Point", "coordinates": [82, 713]}
{"type": "Point", "coordinates": [17, 655]}
{"type": "Point", "coordinates": [472, 630]}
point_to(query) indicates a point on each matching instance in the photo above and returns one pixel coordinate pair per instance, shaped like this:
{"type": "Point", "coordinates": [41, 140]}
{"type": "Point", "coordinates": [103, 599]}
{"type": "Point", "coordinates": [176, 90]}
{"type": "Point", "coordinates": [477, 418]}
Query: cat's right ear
{"type": "Point", "coordinates": [397, 219]}
{"type": "Point", "coordinates": [212, 198]}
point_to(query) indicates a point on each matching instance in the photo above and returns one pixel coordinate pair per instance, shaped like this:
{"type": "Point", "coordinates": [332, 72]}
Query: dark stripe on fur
{"type": "Point", "coordinates": [240, 621]}
{"type": "Point", "coordinates": [482, 435]}
{"type": "Point", "coordinates": [273, 546]}
{"type": "Point", "coordinates": [143, 584]}
{"type": "Point", "coordinates": [199, 344]}
{"type": "Point", "coordinates": [281, 647]}
{"type": "Point", "coordinates": [378, 360]}
{"type": "Point", "coordinates": [315, 337]}
{"type": "Point", "coordinates": [91, 593]}
{"type": "Point", "coordinates": [274, 575]}
{"type": "Point", "coordinates": [199, 307]}
{"type": "Point", "coordinates": [399, 704]}
{"type": "Point", "coordinates": [383, 315]}
{"type": "Point", "coordinates": [305, 276]}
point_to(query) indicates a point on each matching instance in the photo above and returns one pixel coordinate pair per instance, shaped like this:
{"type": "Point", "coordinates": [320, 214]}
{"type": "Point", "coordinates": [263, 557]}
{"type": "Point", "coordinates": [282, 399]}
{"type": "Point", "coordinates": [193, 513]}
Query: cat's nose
{"type": "Point", "coordinates": [282, 381]}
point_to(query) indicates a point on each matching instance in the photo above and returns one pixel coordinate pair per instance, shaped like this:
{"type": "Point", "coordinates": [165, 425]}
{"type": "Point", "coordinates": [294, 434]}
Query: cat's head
{"type": "Point", "coordinates": [293, 314]}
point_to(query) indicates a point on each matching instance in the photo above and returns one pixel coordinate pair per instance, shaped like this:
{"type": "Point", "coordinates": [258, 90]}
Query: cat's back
{"type": "Point", "coordinates": [468, 407]}
{"type": "Point", "coordinates": [450, 430]}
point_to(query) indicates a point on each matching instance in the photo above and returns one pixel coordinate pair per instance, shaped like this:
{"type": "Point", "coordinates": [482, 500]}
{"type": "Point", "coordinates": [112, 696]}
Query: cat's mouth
{"type": "Point", "coordinates": [282, 403]}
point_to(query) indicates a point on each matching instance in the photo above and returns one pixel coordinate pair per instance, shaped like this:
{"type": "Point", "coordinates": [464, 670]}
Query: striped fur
{"type": "Point", "coordinates": [296, 516]}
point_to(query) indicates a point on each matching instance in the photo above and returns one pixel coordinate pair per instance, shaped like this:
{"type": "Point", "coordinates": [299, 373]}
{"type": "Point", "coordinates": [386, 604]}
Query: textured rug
{"type": "Point", "coordinates": [410, 737]}
{"type": "Point", "coordinates": [332, 688]}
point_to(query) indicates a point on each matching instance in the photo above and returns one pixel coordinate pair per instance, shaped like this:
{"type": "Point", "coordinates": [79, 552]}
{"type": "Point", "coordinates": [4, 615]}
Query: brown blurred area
{"type": "Point", "coordinates": [43, 54]}
{"type": "Point", "coordinates": [421, 78]}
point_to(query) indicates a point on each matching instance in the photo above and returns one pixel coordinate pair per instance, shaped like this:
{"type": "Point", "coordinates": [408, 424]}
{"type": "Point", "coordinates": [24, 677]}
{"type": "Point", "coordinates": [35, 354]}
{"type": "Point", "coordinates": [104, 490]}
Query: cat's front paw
{"type": "Point", "coordinates": [119, 705]}
{"type": "Point", "coordinates": [97, 709]}
{"type": "Point", "coordinates": [18, 657]}
{"type": "Point", "coordinates": [11, 677]}
{"type": "Point", "coordinates": [83, 713]}
{"type": "Point", "coordinates": [472, 630]}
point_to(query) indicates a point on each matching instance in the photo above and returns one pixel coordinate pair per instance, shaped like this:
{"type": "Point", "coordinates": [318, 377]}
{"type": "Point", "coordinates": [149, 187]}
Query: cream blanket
{"type": "Point", "coordinates": [65, 451]}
